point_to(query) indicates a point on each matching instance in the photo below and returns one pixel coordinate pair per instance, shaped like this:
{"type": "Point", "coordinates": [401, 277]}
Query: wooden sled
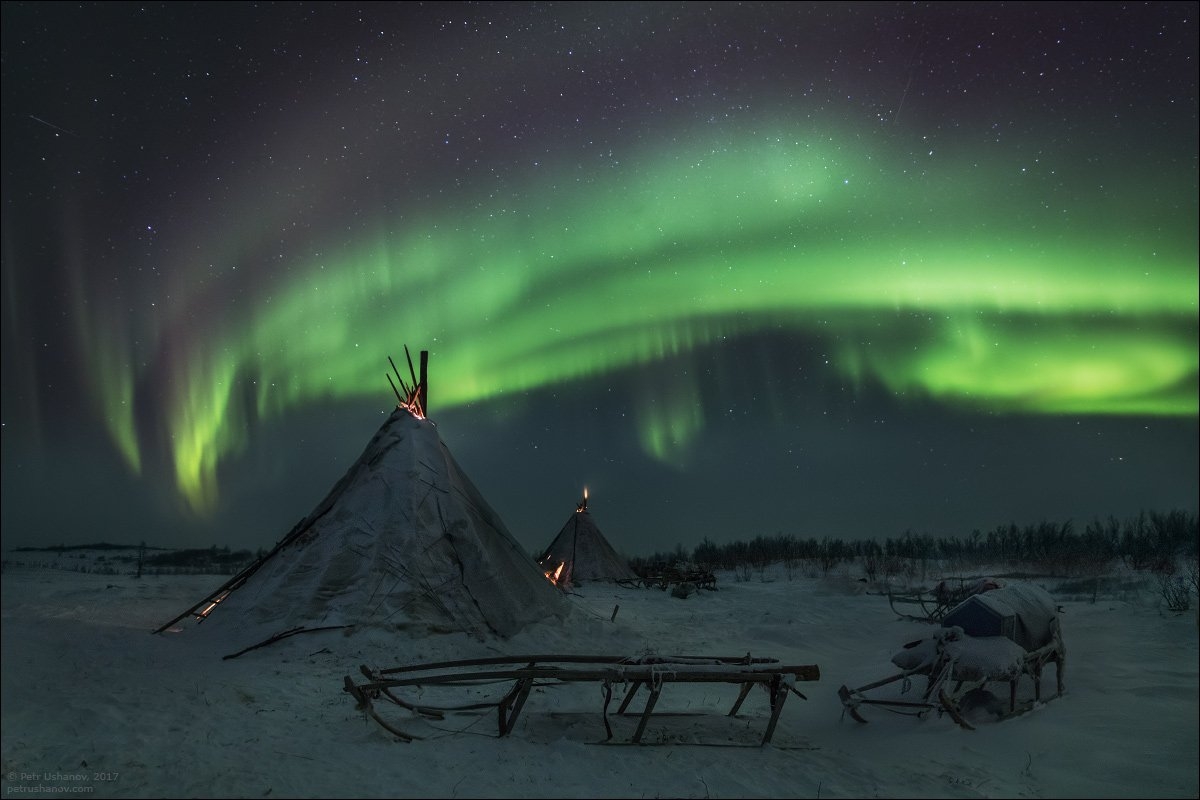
{"type": "Point", "coordinates": [934, 604]}
{"type": "Point", "coordinates": [652, 672]}
{"type": "Point", "coordinates": [956, 679]}
{"type": "Point", "coordinates": [668, 577]}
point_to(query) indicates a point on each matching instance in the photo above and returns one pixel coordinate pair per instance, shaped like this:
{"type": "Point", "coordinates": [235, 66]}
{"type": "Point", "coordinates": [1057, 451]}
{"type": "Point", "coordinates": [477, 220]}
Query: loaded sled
{"type": "Point", "coordinates": [995, 637]}
{"type": "Point", "coordinates": [932, 605]}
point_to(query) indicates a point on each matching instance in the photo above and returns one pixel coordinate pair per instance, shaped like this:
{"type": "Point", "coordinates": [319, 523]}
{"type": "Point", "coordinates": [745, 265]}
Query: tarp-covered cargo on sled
{"type": "Point", "coordinates": [996, 636]}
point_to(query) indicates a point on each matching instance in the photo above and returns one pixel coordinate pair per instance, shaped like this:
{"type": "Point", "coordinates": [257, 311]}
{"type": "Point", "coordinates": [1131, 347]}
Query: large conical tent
{"type": "Point", "coordinates": [403, 541]}
{"type": "Point", "coordinates": [580, 553]}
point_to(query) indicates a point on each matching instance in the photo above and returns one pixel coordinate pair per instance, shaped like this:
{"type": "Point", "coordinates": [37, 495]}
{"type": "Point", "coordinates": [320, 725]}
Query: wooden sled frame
{"type": "Point", "coordinates": [665, 579]}
{"type": "Point", "coordinates": [934, 604]}
{"type": "Point", "coordinates": [653, 672]}
{"type": "Point", "coordinates": [947, 685]}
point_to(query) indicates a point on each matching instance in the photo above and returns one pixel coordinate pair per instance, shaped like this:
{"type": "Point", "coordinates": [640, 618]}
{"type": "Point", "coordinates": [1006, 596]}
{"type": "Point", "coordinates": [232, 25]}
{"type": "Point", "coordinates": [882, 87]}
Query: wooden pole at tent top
{"type": "Point", "coordinates": [423, 385]}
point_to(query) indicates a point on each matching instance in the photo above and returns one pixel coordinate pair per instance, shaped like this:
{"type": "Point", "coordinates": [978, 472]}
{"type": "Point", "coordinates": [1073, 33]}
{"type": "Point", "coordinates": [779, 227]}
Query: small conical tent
{"type": "Point", "coordinates": [580, 553]}
{"type": "Point", "coordinates": [403, 541]}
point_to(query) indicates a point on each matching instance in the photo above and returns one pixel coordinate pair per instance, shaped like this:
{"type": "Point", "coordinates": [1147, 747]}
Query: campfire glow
{"type": "Point", "coordinates": [413, 407]}
{"type": "Point", "coordinates": [555, 574]}
{"type": "Point", "coordinates": [203, 614]}
{"type": "Point", "coordinates": [414, 398]}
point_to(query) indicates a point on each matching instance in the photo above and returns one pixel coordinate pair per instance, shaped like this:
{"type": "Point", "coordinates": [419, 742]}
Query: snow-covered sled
{"type": "Point", "coordinates": [932, 605]}
{"type": "Point", "coordinates": [998, 636]}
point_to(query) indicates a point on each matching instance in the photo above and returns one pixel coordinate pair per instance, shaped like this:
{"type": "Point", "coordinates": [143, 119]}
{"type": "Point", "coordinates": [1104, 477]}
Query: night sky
{"type": "Point", "coordinates": [825, 269]}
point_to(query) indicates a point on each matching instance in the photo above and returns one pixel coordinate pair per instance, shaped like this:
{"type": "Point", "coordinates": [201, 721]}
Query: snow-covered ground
{"type": "Point", "coordinates": [93, 703]}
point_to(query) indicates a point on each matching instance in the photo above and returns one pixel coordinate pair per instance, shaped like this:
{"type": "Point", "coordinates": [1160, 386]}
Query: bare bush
{"type": "Point", "coordinates": [871, 567]}
{"type": "Point", "coordinates": [790, 566]}
{"type": "Point", "coordinates": [1176, 592]}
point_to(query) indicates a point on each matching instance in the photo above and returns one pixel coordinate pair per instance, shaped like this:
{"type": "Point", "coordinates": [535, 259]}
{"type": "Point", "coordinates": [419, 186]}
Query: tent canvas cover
{"type": "Point", "coordinates": [403, 541]}
{"type": "Point", "coordinates": [583, 553]}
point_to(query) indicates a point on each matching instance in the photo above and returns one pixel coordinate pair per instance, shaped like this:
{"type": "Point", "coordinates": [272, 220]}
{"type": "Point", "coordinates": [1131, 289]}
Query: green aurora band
{"type": "Point", "coordinates": [978, 285]}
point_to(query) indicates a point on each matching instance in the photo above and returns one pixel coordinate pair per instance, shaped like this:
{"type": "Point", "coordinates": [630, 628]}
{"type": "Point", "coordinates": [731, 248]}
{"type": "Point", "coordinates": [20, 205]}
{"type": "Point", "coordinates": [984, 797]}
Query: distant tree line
{"type": "Point", "coordinates": [67, 548]}
{"type": "Point", "coordinates": [212, 559]}
{"type": "Point", "coordinates": [196, 561]}
{"type": "Point", "coordinates": [1149, 541]}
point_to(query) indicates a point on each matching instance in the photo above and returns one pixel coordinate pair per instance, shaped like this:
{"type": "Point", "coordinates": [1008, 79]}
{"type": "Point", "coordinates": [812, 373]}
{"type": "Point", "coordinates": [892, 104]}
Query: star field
{"type": "Point", "coordinates": [830, 269]}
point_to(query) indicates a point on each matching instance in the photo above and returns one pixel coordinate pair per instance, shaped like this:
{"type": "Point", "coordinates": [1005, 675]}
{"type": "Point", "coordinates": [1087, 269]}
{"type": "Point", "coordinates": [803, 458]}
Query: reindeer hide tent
{"type": "Point", "coordinates": [403, 541]}
{"type": "Point", "coordinates": [582, 553]}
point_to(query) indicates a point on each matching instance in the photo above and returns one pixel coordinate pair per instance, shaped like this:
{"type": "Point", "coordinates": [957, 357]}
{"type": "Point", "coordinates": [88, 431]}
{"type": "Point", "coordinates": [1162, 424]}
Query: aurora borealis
{"type": "Point", "coordinates": [671, 249]}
